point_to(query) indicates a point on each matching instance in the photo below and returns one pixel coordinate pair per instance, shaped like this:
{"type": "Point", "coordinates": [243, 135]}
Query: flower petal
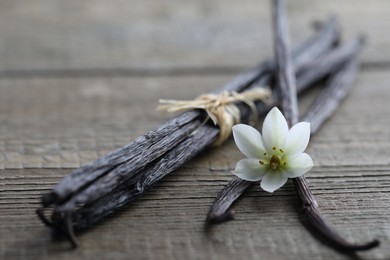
{"type": "Point", "coordinates": [297, 139]}
{"type": "Point", "coordinates": [299, 165]}
{"type": "Point", "coordinates": [248, 140]}
{"type": "Point", "coordinates": [275, 130]}
{"type": "Point", "coordinates": [249, 170]}
{"type": "Point", "coordinates": [273, 180]}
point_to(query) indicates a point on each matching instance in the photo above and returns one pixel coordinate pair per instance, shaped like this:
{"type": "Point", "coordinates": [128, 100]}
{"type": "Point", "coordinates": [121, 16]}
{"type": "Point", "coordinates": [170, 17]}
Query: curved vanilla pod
{"type": "Point", "coordinates": [105, 178]}
{"type": "Point", "coordinates": [166, 136]}
{"type": "Point", "coordinates": [322, 108]}
{"type": "Point", "coordinates": [289, 104]}
{"type": "Point", "coordinates": [337, 87]}
{"type": "Point", "coordinates": [133, 188]}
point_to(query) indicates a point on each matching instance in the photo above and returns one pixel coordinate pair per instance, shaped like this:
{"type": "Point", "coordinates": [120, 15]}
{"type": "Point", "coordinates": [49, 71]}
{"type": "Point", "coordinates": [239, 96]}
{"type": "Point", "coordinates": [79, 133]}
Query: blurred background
{"type": "Point", "coordinates": [81, 78]}
{"type": "Point", "coordinates": [96, 34]}
{"type": "Point", "coordinates": [72, 72]}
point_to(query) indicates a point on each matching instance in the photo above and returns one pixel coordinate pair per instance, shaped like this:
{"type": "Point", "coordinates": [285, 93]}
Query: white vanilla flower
{"type": "Point", "coordinates": [276, 155]}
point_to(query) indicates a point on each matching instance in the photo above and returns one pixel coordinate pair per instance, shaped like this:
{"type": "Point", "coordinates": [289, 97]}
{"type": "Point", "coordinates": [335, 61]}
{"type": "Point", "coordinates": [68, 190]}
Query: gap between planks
{"type": "Point", "coordinates": [148, 72]}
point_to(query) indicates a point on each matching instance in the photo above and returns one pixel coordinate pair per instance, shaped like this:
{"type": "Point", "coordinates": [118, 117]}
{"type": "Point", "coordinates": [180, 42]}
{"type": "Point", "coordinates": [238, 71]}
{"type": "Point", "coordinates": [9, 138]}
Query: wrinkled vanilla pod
{"type": "Point", "coordinates": [132, 188]}
{"type": "Point", "coordinates": [286, 88]}
{"type": "Point", "coordinates": [88, 184]}
{"type": "Point", "coordinates": [336, 89]}
{"type": "Point", "coordinates": [331, 64]}
{"type": "Point", "coordinates": [135, 187]}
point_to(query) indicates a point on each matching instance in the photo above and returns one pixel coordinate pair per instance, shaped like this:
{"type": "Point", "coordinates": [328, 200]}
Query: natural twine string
{"type": "Point", "coordinates": [221, 109]}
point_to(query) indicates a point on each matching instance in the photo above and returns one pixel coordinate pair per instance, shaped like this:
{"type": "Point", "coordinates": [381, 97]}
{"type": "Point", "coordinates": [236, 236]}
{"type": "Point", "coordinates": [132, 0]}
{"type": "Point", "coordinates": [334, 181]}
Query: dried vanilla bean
{"type": "Point", "coordinates": [134, 187]}
{"type": "Point", "coordinates": [323, 107]}
{"type": "Point", "coordinates": [287, 92]}
{"type": "Point", "coordinates": [129, 190]}
{"type": "Point", "coordinates": [170, 133]}
{"type": "Point", "coordinates": [331, 60]}
{"type": "Point", "coordinates": [74, 202]}
{"type": "Point", "coordinates": [318, 113]}
{"type": "Point", "coordinates": [336, 90]}
{"type": "Point", "coordinates": [220, 210]}
{"type": "Point", "coordinates": [286, 81]}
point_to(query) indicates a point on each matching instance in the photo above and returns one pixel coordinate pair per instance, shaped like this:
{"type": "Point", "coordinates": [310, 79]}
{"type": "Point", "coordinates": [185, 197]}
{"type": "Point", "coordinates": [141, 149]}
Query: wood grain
{"type": "Point", "coordinates": [63, 132]}
{"type": "Point", "coordinates": [73, 38]}
{"type": "Point", "coordinates": [351, 190]}
{"type": "Point", "coordinates": [265, 222]}
{"type": "Point", "coordinates": [78, 79]}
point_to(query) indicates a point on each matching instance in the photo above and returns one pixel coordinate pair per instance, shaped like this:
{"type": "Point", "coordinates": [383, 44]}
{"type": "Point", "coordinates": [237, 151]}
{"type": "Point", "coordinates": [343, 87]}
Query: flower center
{"type": "Point", "coordinates": [274, 162]}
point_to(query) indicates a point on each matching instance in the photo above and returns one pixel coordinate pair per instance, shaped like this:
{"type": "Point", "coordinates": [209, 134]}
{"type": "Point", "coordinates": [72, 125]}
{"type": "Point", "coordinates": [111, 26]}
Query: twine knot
{"type": "Point", "coordinates": [221, 109]}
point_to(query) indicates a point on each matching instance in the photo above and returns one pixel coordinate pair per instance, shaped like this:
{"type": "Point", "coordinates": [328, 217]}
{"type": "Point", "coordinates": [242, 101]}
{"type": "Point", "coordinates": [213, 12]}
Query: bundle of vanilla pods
{"type": "Point", "coordinates": [94, 191]}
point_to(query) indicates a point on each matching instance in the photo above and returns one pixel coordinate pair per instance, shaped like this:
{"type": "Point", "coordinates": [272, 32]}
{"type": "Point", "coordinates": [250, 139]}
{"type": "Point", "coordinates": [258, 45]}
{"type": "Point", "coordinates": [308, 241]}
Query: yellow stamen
{"type": "Point", "coordinates": [274, 162]}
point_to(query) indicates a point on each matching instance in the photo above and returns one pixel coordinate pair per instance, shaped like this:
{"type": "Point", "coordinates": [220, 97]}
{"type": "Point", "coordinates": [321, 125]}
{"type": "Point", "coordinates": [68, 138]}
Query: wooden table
{"type": "Point", "coordinates": [80, 78]}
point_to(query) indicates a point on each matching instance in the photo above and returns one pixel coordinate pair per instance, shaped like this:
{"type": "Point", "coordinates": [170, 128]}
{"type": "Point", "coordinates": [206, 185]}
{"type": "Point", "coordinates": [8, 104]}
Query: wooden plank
{"type": "Point", "coordinates": [50, 121]}
{"type": "Point", "coordinates": [266, 226]}
{"type": "Point", "coordinates": [63, 123]}
{"type": "Point", "coordinates": [351, 184]}
{"type": "Point", "coordinates": [148, 35]}
{"type": "Point", "coordinates": [80, 119]}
